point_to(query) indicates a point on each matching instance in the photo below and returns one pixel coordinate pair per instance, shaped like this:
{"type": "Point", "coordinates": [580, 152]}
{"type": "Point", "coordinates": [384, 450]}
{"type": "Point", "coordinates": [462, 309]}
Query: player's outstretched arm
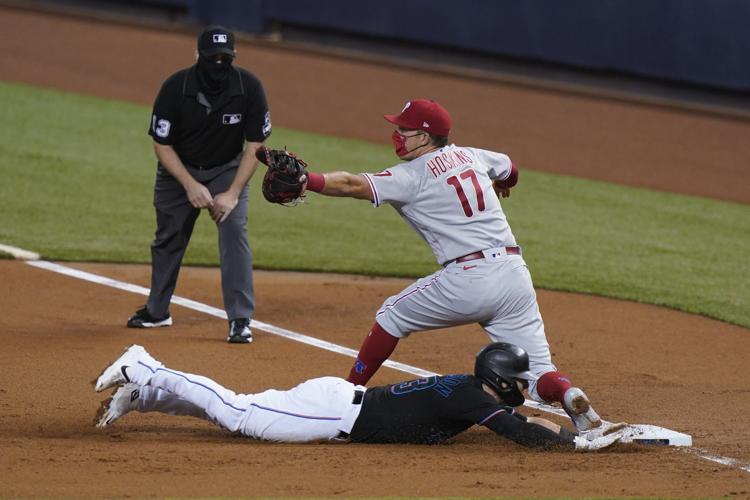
{"type": "Point", "coordinates": [340, 184]}
{"type": "Point", "coordinates": [532, 432]}
{"type": "Point", "coordinates": [542, 433]}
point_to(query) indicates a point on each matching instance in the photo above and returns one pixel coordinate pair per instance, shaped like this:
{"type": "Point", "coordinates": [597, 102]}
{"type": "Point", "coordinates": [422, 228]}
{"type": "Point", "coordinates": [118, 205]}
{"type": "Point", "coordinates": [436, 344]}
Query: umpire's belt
{"type": "Point", "coordinates": [233, 162]}
{"type": "Point", "coordinates": [480, 255]}
{"type": "Point", "coordinates": [359, 395]}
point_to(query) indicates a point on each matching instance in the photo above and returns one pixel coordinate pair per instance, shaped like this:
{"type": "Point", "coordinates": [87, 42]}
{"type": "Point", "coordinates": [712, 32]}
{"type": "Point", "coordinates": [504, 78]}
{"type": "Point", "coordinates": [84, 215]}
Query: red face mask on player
{"type": "Point", "coordinates": [399, 142]}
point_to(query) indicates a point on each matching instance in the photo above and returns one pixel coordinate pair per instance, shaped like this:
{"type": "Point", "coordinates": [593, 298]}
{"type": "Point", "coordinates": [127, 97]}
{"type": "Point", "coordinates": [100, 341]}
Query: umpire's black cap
{"type": "Point", "coordinates": [216, 40]}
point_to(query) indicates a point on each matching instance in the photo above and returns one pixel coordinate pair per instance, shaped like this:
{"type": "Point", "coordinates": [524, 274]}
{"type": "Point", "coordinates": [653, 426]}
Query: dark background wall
{"type": "Point", "coordinates": [698, 42]}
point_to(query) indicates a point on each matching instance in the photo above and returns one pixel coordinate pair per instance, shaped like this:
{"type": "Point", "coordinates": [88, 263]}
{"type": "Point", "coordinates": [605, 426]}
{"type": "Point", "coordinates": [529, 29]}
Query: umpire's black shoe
{"type": "Point", "coordinates": [143, 319]}
{"type": "Point", "coordinates": [239, 331]}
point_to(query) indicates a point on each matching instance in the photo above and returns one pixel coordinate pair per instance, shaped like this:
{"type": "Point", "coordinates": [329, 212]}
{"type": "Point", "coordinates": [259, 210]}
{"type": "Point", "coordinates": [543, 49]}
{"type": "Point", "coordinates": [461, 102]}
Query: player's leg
{"type": "Point", "coordinates": [132, 397]}
{"type": "Point", "coordinates": [518, 321]}
{"type": "Point", "coordinates": [154, 399]}
{"type": "Point", "coordinates": [235, 254]}
{"type": "Point", "coordinates": [385, 333]}
{"type": "Point", "coordinates": [445, 298]}
{"type": "Point", "coordinates": [376, 348]}
{"type": "Point", "coordinates": [318, 409]}
{"type": "Point", "coordinates": [175, 219]}
{"type": "Point", "coordinates": [222, 406]}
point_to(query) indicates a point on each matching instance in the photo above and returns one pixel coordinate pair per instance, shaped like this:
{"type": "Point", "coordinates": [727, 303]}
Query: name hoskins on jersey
{"type": "Point", "coordinates": [448, 161]}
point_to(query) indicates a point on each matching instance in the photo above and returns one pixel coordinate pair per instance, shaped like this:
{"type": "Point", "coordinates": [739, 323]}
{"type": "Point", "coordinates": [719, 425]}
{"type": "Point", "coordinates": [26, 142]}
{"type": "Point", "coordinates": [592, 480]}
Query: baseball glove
{"type": "Point", "coordinates": [286, 178]}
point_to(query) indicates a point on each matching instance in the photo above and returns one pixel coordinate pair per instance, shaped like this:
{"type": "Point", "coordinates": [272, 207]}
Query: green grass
{"type": "Point", "coordinates": [77, 185]}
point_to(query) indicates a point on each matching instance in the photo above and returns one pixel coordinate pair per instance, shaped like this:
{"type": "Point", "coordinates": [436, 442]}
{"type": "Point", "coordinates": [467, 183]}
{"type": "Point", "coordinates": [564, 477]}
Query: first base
{"type": "Point", "coordinates": [652, 434]}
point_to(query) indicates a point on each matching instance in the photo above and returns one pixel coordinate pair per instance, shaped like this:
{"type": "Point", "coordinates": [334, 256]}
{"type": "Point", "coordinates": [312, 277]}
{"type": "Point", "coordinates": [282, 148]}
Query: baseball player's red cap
{"type": "Point", "coordinates": [423, 114]}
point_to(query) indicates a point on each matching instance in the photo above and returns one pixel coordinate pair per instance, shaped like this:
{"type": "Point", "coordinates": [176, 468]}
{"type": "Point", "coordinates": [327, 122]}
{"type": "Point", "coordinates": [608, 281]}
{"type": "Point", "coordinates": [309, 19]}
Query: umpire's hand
{"type": "Point", "coordinates": [222, 206]}
{"type": "Point", "coordinates": [199, 196]}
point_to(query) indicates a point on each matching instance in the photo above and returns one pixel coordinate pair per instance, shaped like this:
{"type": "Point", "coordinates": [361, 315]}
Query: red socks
{"type": "Point", "coordinates": [376, 348]}
{"type": "Point", "coordinates": [551, 386]}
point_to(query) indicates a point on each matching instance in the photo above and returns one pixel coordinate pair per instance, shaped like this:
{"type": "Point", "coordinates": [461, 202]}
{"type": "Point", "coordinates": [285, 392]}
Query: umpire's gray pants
{"type": "Point", "coordinates": [175, 219]}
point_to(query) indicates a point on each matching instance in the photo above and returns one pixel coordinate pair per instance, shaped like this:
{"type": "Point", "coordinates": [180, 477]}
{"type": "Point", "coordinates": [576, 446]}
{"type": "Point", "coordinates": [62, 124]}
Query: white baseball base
{"type": "Point", "coordinates": [652, 434]}
{"type": "Point", "coordinates": [635, 433]}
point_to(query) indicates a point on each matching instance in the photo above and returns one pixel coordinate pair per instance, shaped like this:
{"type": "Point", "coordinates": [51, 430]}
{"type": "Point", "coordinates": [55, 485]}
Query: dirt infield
{"type": "Point", "coordinates": [640, 363]}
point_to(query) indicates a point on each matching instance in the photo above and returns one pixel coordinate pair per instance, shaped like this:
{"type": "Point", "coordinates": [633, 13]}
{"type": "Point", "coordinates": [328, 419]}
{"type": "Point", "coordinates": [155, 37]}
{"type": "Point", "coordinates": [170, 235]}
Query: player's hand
{"type": "Point", "coordinates": [592, 441]}
{"type": "Point", "coordinates": [199, 196]}
{"type": "Point", "coordinates": [500, 190]}
{"type": "Point", "coordinates": [222, 206]}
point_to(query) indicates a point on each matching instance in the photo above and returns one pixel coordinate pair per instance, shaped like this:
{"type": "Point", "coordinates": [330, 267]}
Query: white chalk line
{"type": "Point", "coordinates": [19, 253]}
{"type": "Point", "coordinates": [220, 313]}
{"type": "Point", "coordinates": [322, 344]}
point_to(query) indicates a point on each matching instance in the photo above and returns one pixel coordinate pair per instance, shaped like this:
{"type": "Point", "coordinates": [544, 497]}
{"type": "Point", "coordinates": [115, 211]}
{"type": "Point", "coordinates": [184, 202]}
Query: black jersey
{"type": "Point", "coordinates": [208, 131]}
{"type": "Point", "coordinates": [434, 409]}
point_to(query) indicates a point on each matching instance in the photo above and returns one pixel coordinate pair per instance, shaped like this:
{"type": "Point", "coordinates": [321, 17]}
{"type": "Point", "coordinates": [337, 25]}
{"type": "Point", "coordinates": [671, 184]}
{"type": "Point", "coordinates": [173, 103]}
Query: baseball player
{"type": "Point", "coordinates": [208, 120]}
{"type": "Point", "coordinates": [449, 195]}
{"type": "Point", "coordinates": [423, 411]}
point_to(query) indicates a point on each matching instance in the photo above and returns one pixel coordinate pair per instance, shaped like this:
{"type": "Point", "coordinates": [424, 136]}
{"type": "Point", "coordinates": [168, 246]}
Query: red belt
{"type": "Point", "coordinates": [480, 255]}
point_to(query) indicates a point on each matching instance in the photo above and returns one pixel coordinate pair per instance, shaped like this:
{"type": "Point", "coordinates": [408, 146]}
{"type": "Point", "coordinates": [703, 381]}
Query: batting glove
{"type": "Point", "coordinates": [603, 437]}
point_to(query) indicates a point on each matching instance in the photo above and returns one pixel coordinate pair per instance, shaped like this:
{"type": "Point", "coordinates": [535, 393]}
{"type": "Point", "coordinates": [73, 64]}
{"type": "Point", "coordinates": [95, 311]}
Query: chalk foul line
{"type": "Point", "coordinates": [330, 346]}
{"type": "Point", "coordinates": [19, 253]}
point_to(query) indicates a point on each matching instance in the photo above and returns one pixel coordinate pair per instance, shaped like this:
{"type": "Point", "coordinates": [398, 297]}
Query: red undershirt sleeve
{"type": "Point", "coordinates": [511, 180]}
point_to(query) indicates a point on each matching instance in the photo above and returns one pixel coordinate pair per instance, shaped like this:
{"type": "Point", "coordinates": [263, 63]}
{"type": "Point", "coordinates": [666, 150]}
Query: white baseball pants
{"type": "Point", "coordinates": [495, 292]}
{"type": "Point", "coordinates": [317, 409]}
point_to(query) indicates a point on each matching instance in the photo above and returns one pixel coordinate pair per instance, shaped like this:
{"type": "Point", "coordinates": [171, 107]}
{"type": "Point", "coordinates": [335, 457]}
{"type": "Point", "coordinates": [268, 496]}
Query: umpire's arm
{"type": "Point", "coordinates": [225, 202]}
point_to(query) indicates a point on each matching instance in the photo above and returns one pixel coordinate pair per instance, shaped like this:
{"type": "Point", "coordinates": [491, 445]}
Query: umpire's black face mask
{"type": "Point", "coordinates": [213, 72]}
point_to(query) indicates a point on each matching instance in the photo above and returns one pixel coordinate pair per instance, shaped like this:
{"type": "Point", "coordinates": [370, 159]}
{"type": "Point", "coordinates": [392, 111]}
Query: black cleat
{"type": "Point", "coordinates": [143, 319]}
{"type": "Point", "coordinates": [239, 331]}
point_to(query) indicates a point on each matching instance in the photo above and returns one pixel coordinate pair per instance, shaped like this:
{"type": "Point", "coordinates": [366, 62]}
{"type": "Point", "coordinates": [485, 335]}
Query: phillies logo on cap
{"type": "Point", "coordinates": [220, 38]}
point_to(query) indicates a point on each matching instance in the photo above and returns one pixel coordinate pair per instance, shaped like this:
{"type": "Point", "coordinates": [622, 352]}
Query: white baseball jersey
{"type": "Point", "coordinates": [447, 197]}
{"type": "Point", "coordinates": [317, 409]}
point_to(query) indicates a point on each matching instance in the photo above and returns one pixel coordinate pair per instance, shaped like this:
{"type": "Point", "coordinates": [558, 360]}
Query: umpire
{"type": "Point", "coordinates": [201, 120]}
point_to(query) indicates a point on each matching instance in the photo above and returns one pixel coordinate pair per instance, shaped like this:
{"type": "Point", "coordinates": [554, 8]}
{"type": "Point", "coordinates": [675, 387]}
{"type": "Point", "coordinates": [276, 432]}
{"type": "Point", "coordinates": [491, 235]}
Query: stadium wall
{"type": "Point", "coordinates": [700, 42]}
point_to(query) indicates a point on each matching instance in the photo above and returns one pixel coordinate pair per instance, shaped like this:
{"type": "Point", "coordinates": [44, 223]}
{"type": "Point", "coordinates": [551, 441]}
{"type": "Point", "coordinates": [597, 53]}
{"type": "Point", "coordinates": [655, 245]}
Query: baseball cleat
{"type": "Point", "coordinates": [239, 331]}
{"type": "Point", "coordinates": [576, 404]}
{"type": "Point", "coordinates": [143, 319]}
{"type": "Point", "coordinates": [115, 373]}
{"type": "Point", "coordinates": [122, 401]}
